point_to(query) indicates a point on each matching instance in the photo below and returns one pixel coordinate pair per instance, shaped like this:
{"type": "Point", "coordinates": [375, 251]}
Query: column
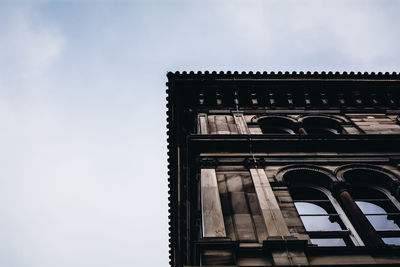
{"type": "Point", "coordinates": [212, 217]}
{"type": "Point", "coordinates": [202, 123]}
{"type": "Point", "coordinates": [240, 123]}
{"type": "Point", "coordinates": [301, 129]}
{"type": "Point", "coordinates": [278, 233]}
{"type": "Point", "coordinates": [274, 221]}
{"type": "Point", "coordinates": [357, 218]}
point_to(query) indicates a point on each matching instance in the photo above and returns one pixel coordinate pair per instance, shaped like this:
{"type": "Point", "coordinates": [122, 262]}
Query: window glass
{"type": "Point", "coordinates": [321, 223]}
{"type": "Point", "coordinates": [309, 208]}
{"type": "Point", "coordinates": [381, 222]}
{"type": "Point", "coordinates": [392, 240]}
{"type": "Point", "coordinates": [322, 130]}
{"type": "Point", "coordinates": [378, 216]}
{"type": "Point", "coordinates": [276, 125]}
{"type": "Point", "coordinates": [370, 208]}
{"type": "Point", "coordinates": [328, 242]}
{"type": "Point", "coordinates": [322, 125]}
{"type": "Point", "coordinates": [362, 192]}
{"type": "Point", "coordinates": [277, 130]}
{"type": "Point", "coordinates": [308, 195]}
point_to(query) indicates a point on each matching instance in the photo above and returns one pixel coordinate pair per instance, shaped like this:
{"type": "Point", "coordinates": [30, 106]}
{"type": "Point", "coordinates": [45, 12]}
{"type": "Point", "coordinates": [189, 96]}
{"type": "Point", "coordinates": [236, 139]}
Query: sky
{"type": "Point", "coordinates": [83, 157]}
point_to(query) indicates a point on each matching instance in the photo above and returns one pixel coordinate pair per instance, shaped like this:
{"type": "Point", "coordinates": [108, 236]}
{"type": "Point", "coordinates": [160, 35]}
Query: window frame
{"type": "Point", "coordinates": [351, 232]}
{"type": "Point", "coordinates": [383, 233]}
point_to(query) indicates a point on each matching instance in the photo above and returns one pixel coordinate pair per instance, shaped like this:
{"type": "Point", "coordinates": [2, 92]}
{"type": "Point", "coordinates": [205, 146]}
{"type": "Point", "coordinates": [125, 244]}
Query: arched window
{"type": "Point", "coordinates": [321, 125]}
{"type": "Point", "coordinates": [381, 209]}
{"type": "Point", "coordinates": [324, 220]}
{"type": "Point", "coordinates": [276, 125]}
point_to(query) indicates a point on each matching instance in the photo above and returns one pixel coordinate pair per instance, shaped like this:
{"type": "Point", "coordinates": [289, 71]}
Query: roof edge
{"type": "Point", "coordinates": [284, 75]}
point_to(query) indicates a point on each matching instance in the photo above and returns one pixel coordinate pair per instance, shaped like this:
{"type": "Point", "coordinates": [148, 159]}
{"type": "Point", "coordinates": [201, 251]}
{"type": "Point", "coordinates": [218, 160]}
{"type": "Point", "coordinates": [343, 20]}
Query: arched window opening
{"type": "Point", "coordinates": [276, 125]}
{"type": "Point", "coordinates": [322, 217]}
{"type": "Point", "coordinates": [322, 125]}
{"type": "Point", "coordinates": [381, 209]}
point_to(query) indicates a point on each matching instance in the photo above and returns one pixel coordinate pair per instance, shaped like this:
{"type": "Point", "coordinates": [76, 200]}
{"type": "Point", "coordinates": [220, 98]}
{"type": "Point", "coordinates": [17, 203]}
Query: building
{"type": "Point", "coordinates": [284, 169]}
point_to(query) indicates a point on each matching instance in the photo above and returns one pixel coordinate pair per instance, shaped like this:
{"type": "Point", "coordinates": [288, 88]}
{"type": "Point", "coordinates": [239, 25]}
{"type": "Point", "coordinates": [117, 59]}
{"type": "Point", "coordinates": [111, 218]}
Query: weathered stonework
{"type": "Point", "coordinates": [245, 147]}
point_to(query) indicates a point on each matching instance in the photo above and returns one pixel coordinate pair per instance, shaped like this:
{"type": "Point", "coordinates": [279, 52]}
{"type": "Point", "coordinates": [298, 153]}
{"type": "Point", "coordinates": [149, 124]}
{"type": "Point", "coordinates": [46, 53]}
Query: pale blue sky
{"type": "Point", "coordinates": [83, 178]}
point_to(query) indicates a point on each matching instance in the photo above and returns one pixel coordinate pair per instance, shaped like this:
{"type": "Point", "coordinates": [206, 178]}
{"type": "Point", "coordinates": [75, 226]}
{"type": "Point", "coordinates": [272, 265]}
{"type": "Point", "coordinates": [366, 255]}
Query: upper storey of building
{"type": "Point", "coordinates": [294, 91]}
{"type": "Point", "coordinates": [286, 105]}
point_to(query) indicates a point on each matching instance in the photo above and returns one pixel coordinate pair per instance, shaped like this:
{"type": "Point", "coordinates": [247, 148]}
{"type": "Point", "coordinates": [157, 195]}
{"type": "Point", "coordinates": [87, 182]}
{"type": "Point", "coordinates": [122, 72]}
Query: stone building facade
{"type": "Point", "coordinates": [269, 169]}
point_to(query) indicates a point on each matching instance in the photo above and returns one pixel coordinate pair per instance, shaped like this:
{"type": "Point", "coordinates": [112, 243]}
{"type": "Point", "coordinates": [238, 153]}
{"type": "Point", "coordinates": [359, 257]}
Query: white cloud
{"type": "Point", "coordinates": [82, 108]}
{"type": "Point", "coordinates": [28, 48]}
{"type": "Point", "coordinates": [315, 35]}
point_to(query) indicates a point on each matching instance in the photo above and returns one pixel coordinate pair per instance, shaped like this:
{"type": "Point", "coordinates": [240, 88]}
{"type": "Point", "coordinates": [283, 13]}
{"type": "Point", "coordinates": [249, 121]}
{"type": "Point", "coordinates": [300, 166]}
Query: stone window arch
{"type": "Point", "coordinates": [317, 175]}
{"type": "Point", "coordinates": [321, 124]}
{"type": "Point", "coordinates": [276, 124]}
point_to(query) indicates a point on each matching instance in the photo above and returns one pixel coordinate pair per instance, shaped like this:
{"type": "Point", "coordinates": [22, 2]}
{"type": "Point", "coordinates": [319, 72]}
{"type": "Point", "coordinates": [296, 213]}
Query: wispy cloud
{"type": "Point", "coordinates": [28, 47]}
{"type": "Point", "coordinates": [83, 177]}
{"type": "Point", "coordinates": [315, 35]}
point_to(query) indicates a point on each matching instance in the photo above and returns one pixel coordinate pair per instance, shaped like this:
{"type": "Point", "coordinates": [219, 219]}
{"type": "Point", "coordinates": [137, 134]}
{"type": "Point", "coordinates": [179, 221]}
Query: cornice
{"type": "Point", "coordinates": [284, 75]}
